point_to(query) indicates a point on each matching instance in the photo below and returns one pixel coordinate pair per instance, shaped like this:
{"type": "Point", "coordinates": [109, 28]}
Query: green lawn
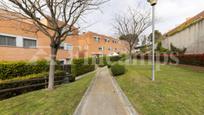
{"type": "Point", "coordinates": [176, 91]}
{"type": "Point", "coordinates": [62, 101]}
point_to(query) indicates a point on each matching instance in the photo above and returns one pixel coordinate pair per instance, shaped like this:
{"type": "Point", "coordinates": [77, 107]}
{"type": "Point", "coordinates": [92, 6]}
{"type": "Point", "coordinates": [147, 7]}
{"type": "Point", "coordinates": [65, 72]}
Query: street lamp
{"type": "Point", "coordinates": [153, 3]}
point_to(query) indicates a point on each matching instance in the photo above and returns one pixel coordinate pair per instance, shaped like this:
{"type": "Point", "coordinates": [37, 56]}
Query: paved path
{"type": "Point", "coordinates": [103, 97]}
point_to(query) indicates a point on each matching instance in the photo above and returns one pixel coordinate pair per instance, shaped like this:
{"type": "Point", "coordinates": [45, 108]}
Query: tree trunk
{"type": "Point", "coordinates": [52, 68]}
{"type": "Point", "coordinates": [130, 57]}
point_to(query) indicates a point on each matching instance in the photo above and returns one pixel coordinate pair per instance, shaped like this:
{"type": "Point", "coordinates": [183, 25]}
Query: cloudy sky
{"type": "Point", "coordinates": [168, 12]}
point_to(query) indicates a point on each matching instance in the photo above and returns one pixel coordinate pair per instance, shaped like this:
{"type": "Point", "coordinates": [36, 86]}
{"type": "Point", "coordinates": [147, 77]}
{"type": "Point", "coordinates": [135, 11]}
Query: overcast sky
{"type": "Point", "coordinates": [169, 12]}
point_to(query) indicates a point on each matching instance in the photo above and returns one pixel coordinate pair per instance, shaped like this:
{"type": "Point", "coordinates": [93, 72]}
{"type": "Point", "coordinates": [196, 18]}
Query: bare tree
{"type": "Point", "coordinates": [61, 16]}
{"type": "Point", "coordinates": [130, 26]}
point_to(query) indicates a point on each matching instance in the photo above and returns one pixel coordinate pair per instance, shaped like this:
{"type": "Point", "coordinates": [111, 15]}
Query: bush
{"type": "Point", "coordinates": [176, 50]}
{"type": "Point", "coordinates": [101, 65]}
{"type": "Point", "coordinates": [161, 49]}
{"type": "Point", "coordinates": [72, 78]}
{"type": "Point", "coordinates": [109, 65]}
{"type": "Point", "coordinates": [79, 66]}
{"type": "Point", "coordinates": [38, 81]}
{"type": "Point", "coordinates": [32, 76]}
{"type": "Point", "coordinates": [188, 59]}
{"type": "Point", "coordinates": [102, 61]}
{"type": "Point", "coordinates": [192, 59]}
{"type": "Point", "coordinates": [10, 70]}
{"type": "Point", "coordinates": [115, 58]}
{"type": "Point", "coordinates": [66, 68]}
{"type": "Point", "coordinates": [123, 57]}
{"type": "Point", "coordinates": [106, 61]}
{"type": "Point", "coordinates": [117, 69]}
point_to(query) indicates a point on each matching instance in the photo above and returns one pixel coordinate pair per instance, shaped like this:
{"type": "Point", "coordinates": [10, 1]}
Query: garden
{"type": "Point", "coordinates": [178, 90]}
{"type": "Point", "coordinates": [21, 77]}
{"type": "Point", "coordinates": [64, 98]}
{"type": "Point", "coordinates": [61, 101]}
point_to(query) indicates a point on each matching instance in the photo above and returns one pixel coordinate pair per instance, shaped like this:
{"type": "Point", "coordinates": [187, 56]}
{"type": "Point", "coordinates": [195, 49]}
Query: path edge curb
{"type": "Point", "coordinates": [124, 98]}
{"type": "Point", "coordinates": [78, 110]}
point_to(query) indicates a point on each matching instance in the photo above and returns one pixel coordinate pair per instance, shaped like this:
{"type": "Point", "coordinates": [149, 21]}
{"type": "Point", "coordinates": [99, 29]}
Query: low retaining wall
{"type": "Point", "coordinates": [15, 88]}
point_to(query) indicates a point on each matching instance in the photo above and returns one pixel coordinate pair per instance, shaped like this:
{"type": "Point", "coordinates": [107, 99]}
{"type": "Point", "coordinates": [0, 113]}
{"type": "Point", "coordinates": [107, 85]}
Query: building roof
{"type": "Point", "coordinates": [97, 34]}
{"type": "Point", "coordinates": [10, 15]}
{"type": "Point", "coordinates": [199, 17]}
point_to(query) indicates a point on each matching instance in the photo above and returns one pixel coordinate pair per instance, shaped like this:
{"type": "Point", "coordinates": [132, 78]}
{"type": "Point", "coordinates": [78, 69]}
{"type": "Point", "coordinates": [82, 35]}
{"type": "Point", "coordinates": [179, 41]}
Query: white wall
{"type": "Point", "coordinates": [19, 41]}
{"type": "Point", "coordinates": [191, 38]}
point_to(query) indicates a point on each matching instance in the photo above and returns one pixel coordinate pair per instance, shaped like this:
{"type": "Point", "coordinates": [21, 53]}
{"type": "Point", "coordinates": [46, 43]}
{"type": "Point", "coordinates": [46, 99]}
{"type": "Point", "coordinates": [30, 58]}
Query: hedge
{"type": "Point", "coordinates": [188, 59]}
{"type": "Point", "coordinates": [31, 76]}
{"type": "Point", "coordinates": [162, 58]}
{"type": "Point", "coordinates": [10, 70]}
{"type": "Point", "coordinates": [123, 57]}
{"type": "Point", "coordinates": [115, 58]}
{"type": "Point", "coordinates": [192, 59]}
{"type": "Point", "coordinates": [117, 69]}
{"type": "Point", "coordinates": [103, 61]}
{"type": "Point", "coordinates": [16, 86]}
{"type": "Point", "coordinates": [82, 66]}
{"type": "Point", "coordinates": [107, 60]}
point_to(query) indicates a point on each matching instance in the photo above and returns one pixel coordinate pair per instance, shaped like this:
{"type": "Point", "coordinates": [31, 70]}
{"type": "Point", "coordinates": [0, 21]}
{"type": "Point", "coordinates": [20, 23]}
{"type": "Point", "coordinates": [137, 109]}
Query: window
{"type": "Point", "coordinates": [61, 62]}
{"type": "Point", "coordinates": [110, 48]}
{"type": "Point", "coordinates": [68, 61]}
{"type": "Point", "coordinates": [101, 48]}
{"type": "Point", "coordinates": [107, 40]}
{"type": "Point", "coordinates": [114, 41]}
{"type": "Point", "coordinates": [7, 41]}
{"type": "Point", "coordinates": [69, 33]}
{"type": "Point", "coordinates": [97, 39]}
{"type": "Point", "coordinates": [86, 47]}
{"type": "Point", "coordinates": [62, 46]}
{"type": "Point", "coordinates": [69, 47]}
{"type": "Point", "coordinates": [28, 43]}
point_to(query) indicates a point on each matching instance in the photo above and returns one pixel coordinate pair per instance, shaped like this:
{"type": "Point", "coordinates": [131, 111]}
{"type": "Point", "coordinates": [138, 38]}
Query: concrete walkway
{"type": "Point", "coordinates": [104, 97]}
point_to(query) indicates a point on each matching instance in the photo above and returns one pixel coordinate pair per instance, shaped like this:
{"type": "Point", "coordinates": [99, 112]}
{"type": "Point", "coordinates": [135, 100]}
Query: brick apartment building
{"type": "Point", "coordinates": [20, 40]}
{"type": "Point", "coordinates": [93, 44]}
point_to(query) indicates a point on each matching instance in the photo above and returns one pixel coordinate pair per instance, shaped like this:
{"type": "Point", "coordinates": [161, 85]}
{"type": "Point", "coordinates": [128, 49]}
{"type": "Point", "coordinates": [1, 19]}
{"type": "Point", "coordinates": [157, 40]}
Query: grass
{"type": "Point", "coordinates": [176, 91]}
{"type": "Point", "coordinates": [61, 101]}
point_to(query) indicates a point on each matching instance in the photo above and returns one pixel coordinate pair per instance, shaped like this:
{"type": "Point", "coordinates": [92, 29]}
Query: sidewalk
{"type": "Point", "coordinates": [104, 97]}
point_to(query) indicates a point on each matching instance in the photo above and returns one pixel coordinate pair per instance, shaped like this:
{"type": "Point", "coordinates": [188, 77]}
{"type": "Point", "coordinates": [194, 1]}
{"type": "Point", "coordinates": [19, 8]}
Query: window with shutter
{"type": "Point", "coordinates": [28, 43]}
{"type": "Point", "coordinates": [7, 41]}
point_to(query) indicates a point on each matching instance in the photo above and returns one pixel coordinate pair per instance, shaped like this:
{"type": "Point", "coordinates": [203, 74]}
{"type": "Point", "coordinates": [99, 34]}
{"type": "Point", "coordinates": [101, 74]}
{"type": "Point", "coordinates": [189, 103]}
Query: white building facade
{"type": "Point", "coordinates": [192, 38]}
